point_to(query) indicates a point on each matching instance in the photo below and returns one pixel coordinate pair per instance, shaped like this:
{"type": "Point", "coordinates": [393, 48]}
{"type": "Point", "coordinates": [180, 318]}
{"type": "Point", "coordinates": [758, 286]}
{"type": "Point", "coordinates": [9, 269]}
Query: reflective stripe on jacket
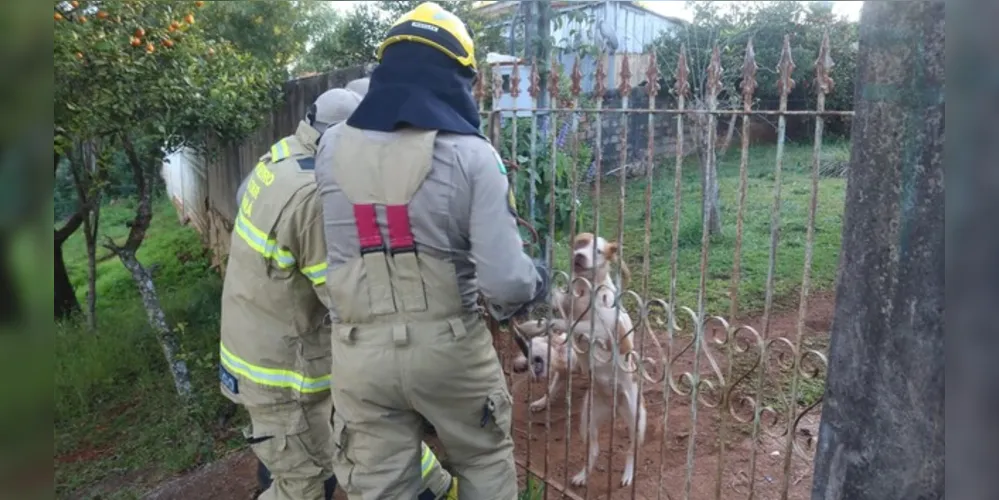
{"type": "Point", "coordinates": [275, 331]}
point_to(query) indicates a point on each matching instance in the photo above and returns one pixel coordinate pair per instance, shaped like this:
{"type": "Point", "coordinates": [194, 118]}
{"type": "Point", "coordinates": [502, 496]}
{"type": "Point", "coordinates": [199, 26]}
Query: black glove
{"type": "Point", "coordinates": [542, 289]}
{"type": "Point", "coordinates": [540, 295]}
{"type": "Point", "coordinates": [544, 285]}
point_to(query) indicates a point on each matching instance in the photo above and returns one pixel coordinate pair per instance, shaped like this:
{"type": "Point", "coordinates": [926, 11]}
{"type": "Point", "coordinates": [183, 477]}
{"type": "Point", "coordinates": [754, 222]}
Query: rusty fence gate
{"type": "Point", "coordinates": [726, 413]}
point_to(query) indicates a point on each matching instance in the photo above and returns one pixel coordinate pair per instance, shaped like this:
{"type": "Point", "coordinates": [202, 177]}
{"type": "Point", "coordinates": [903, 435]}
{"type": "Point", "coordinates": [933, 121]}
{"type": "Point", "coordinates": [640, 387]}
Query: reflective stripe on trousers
{"type": "Point", "coordinates": [272, 377]}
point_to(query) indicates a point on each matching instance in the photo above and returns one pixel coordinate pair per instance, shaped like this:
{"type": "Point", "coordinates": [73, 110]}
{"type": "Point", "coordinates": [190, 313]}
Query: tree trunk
{"type": "Point", "coordinates": [882, 430]}
{"type": "Point", "coordinates": [10, 305]}
{"type": "Point", "coordinates": [707, 134]}
{"type": "Point", "coordinates": [709, 178]}
{"type": "Point", "coordinates": [157, 320]}
{"type": "Point", "coordinates": [66, 303]}
{"type": "Point", "coordinates": [86, 177]}
{"type": "Point", "coordinates": [710, 191]}
{"type": "Point", "coordinates": [728, 136]}
{"type": "Point", "coordinates": [91, 225]}
{"type": "Point", "coordinates": [143, 280]}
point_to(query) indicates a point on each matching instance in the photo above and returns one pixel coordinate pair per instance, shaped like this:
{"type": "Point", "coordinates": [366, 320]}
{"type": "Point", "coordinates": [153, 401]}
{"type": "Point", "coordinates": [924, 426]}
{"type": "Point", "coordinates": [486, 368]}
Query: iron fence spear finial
{"type": "Point", "coordinates": [749, 67]}
{"type": "Point", "coordinates": [823, 65]}
{"type": "Point", "coordinates": [785, 67]}
{"type": "Point", "coordinates": [682, 86]}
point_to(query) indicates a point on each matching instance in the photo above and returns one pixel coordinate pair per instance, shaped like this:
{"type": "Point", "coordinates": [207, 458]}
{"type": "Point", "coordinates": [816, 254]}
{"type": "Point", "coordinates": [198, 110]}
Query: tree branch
{"type": "Point", "coordinates": [70, 227]}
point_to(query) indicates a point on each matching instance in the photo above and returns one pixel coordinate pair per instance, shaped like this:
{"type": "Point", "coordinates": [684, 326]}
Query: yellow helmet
{"type": "Point", "coordinates": [430, 24]}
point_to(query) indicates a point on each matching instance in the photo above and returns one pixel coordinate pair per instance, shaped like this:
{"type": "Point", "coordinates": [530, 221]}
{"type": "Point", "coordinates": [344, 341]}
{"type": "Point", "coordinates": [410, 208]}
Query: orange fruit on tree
{"type": "Point", "coordinates": [79, 55]}
{"type": "Point", "coordinates": [189, 18]}
{"type": "Point", "coordinates": [211, 52]}
{"type": "Point", "coordinates": [168, 43]}
{"type": "Point", "coordinates": [102, 15]}
{"type": "Point", "coordinates": [150, 48]}
{"type": "Point", "coordinates": [83, 19]}
{"type": "Point", "coordinates": [199, 4]}
{"type": "Point", "coordinates": [75, 4]}
{"type": "Point", "coordinates": [135, 42]}
{"type": "Point", "coordinates": [57, 16]}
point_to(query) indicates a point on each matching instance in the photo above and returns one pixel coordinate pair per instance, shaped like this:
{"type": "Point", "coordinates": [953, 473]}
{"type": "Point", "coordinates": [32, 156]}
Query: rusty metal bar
{"type": "Point", "coordinates": [824, 84]}
{"type": "Point", "coordinates": [533, 91]}
{"type": "Point", "coordinates": [652, 89]}
{"type": "Point", "coordinates": [575, 90]}
{"type": "Point", "coordinates": [694, 111]}
{"type": "Point", "coordinates": [713, 88]}
{"type": "Point", "coordinates": [682, 90]}
{"type": "Point", "coordinates": [784, 83]}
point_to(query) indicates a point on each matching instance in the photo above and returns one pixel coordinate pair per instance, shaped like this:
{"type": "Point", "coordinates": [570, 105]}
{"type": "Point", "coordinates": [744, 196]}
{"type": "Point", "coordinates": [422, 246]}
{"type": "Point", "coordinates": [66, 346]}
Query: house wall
{"type": "Point", "coordinates": [637, 141]}
{"type": "Point", "coordinates": [633, 27]}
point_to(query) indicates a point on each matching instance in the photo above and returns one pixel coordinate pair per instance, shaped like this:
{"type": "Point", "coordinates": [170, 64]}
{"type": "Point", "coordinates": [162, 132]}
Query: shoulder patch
{"type": "Point", "coordinates": [307, 163]}
{"type": "Point", "coordinates": [499, 162]}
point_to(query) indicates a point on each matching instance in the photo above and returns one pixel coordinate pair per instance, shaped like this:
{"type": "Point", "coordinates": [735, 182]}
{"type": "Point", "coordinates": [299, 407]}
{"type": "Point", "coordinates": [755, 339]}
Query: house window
{"type": "Point", "coordinates": [506, 83]}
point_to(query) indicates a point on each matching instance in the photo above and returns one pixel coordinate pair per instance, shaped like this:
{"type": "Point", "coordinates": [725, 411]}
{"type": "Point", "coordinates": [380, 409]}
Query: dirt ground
{"type": "Point", "coordinates": [660, 471]}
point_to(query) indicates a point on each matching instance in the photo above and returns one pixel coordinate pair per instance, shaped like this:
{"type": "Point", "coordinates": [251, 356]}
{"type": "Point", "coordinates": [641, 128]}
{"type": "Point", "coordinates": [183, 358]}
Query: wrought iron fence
{"type": "Point", "coordinates": [704, 366]}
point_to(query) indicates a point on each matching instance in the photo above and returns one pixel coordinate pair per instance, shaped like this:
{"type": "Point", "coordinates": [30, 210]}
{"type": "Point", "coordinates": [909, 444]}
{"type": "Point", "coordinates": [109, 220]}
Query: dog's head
{"type": "Point", "coordinates": [536, 360]}
{"type": "Point", "coordinates": [593, 262]}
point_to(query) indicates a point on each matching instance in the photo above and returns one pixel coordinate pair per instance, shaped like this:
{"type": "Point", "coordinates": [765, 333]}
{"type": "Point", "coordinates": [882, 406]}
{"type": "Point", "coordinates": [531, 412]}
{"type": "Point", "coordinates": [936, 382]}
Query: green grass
{"type": "Point", "coordinates": [795, 196]}
{"type": "Point", "coordinates": [116, 410]}
{"type": "Point", "coordinates": [116, 413]}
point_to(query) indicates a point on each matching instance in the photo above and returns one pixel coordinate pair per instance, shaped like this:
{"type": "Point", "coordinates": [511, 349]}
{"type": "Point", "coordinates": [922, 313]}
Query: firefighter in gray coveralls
{"type": "Point", "coordinates": [275, 352]}
{"type": "Point", "coordinates": [418, 224]}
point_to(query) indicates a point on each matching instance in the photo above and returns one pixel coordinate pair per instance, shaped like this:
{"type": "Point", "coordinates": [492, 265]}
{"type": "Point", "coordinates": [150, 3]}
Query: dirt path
{"type": "Point", "coordinates": [234, 477]}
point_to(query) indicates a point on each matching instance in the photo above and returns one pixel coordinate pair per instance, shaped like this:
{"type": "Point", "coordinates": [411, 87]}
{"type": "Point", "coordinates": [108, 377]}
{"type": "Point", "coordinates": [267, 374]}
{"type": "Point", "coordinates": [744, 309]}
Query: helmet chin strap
{"type": "Point", "coordinates": [310, 115]}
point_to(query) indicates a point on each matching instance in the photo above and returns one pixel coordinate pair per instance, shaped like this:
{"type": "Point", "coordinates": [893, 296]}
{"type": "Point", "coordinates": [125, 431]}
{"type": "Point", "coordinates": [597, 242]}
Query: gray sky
{"type": "Point", "coordinates": [677, 8]}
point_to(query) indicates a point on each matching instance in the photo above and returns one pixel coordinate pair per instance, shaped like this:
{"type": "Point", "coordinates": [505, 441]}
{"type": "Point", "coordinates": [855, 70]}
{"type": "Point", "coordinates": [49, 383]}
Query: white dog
{"type": "Point", "coordinates": [561, 361]}
{"type": "Point", "coordinates": [606, 389]}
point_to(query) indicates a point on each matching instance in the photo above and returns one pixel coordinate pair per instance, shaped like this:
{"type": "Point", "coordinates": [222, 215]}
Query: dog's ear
{"type": "Point", "coordinates": [611, 253]}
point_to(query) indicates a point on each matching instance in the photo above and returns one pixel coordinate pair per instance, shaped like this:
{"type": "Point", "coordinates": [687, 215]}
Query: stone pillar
{"type": "Point", "coordinates": [882, 430]}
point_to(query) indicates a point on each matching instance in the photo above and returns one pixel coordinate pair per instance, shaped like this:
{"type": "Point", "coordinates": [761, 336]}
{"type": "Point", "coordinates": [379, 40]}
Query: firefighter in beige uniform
{"type": "Point", "coordinates": [417, 224]}
{"type": "Point", "coordinates": [275, 347]}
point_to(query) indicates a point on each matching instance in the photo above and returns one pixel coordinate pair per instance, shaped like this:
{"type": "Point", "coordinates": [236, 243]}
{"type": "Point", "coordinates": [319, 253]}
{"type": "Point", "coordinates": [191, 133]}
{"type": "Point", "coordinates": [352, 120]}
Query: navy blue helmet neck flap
{"type": "Point", "coordinates": [416, 85]}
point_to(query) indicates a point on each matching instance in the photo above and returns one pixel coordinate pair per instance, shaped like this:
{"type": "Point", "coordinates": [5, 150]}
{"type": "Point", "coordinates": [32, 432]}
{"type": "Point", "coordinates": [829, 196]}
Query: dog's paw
{"type": "Point", "coordinates": [626, 479]}
{"type": "Point", "coordinates": [579, 479]}
{"type": "Point", "coordinates": [538, 406]}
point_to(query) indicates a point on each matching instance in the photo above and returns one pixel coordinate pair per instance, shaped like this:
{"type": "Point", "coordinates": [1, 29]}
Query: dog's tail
{"type": "Point", "coordinates": [625, 274]}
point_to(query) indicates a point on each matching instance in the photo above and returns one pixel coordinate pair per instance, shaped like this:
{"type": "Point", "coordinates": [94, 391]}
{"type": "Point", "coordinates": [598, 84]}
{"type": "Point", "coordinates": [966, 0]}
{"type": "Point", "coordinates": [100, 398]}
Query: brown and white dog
{"type": "Point", "coordinates": [592, 257]}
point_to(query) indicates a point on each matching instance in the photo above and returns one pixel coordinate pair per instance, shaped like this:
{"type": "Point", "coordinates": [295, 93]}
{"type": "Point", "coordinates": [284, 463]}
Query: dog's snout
{"type": "Point", "coordinates": [579, 260]}
{"type": "Point", "coordinates": [520, 365]}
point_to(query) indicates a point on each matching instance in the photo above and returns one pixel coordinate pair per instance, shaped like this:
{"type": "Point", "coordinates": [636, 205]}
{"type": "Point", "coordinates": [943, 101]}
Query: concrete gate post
{"type": "Point", "coordinates": [882, 430]}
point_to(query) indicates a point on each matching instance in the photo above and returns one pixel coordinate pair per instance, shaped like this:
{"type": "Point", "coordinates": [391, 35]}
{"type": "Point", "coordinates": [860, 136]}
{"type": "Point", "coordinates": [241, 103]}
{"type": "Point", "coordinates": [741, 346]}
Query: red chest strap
{"type": "Point", "coordinates": [399, 229]}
